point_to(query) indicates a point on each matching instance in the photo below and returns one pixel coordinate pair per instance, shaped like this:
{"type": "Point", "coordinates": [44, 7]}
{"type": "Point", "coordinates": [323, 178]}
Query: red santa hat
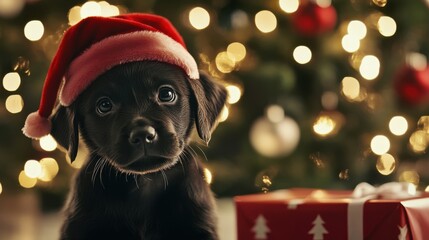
{"type": "Point", "coordinates": [95, 45]}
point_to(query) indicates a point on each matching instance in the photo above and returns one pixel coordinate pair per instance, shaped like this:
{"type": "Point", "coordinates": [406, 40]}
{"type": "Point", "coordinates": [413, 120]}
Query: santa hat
{"type": "Point", "coordinates": [95, 45]}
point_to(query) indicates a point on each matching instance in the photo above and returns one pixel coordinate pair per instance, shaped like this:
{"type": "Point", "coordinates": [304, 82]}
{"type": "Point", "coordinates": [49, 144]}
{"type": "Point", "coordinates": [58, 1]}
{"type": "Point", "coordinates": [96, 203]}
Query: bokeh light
{"type": "Point", "coordinates": [14, 104]}
{"type": "Point", "coordinates": [386, 164]}
{"type": "Point", "coordinates": [11, 81]}
{"type": "Point", "coordinates": [1, 188]}
{"type": "Point", "coordinates": [275, 113]}
{"type": "Point", "coordinates": [324, 125]}
{"type": "Point", "coordinates": [225, 63]}
{"type": "Point", "coordinates": [356, 29]}
{"type": "Point", "coordinates": [418, 141]}
{"type": "Point", "coordinates": [50, 169]}
{"type": "Point", "coordinates": [265, 21]}
{"type": "Point", "coordinates": [289, 6]}
{"type": "Point", "coordinates": [74, 15]}
{"type": "Point", "coordinates": [416, 60]}
{"type": "Point", "coordinates": [380, 144]}
{"type": "Point", "coordinates": [369, 67]}
{"type": "Point", "coordinates": [90, 8]}
{"type": "Point", "coordinates": [236, 51]}
{"type": "Point", "coordinates": [398, 125]}
{"type": "Point", "coordinates": [410, 176]}
{"type": "Point", "coordinates": [350, 44]}
{"type": "Point", "coordinates": [224, 114]}
{"type": "Point", "coordinates": [108, 10]}
{"type": "Point", "coordinates": [386, 26]}
{"type": "Point", "coordinates": [34, 30]}
{"type": "Point", "coordinates": [302, 54]}
{"type": "Point", "coordinates": [199, 18]}
{"type": "Point", "coordinates": [208, 176]}
{"type": "Point", "coordinates": [25, 181]}
{"type": "Point", "coordinates": [48, 143]}
{"type": "Point", "coordinates": [350, 87]}
{"type": "Point", "coordinates": [234, 94]}
{"type": "Point", "coordinates": [32, 168]}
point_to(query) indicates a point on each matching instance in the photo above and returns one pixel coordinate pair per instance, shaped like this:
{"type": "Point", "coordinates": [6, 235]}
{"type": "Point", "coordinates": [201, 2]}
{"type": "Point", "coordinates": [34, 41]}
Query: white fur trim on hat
{"type": "Point", "coordinates": [36, 126]}
{"type": "Point", "coordinates": [119, 49]}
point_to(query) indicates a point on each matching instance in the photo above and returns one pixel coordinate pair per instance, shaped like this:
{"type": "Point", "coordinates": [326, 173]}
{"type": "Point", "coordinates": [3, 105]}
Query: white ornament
{"type": "Point", "coordinates": [275, 135]}
{"type": "Point", "coordinates": [260, 228]}
{"type": "Point", "coordinates": [318, 229]}
{"type": "Point", "coordinates": [402, 232]}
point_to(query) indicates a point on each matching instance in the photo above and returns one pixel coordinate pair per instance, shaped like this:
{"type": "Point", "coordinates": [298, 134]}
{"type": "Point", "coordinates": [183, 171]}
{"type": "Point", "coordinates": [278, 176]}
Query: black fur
{"type": "Point", "coordinates": [141, 180]}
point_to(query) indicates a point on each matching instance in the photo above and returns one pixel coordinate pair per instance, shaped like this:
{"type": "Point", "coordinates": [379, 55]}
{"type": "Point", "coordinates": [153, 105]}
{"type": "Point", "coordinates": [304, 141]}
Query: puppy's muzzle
{"type": "Point", "coordinates": [142, 135]}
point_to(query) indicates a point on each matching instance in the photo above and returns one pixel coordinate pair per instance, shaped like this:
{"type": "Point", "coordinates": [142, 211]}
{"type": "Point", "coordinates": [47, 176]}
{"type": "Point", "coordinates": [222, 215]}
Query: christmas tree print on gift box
{"type": "Point", "coordinates": [318, 229]}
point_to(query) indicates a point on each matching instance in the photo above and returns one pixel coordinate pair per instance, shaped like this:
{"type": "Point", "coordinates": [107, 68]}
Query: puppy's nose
{"type": "Point", "coordinates": [140, 135]}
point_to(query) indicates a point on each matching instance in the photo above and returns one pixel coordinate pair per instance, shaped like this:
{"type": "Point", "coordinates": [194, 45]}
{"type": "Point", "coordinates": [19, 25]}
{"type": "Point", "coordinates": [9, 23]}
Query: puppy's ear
{"type": "Point", "coordinates": [209, 100]}
{"type": "Point", "coordinates": [65, 129]}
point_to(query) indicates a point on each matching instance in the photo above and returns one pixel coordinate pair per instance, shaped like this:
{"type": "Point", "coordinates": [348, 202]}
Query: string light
{"type": "Point", "coordinates": [48, 143]}
{"type": "Point", "coordinates": [398, 125]}
{"type": "Point", "coordinates": [34, 30]}
{"type": "Point", "coordinates": [14, 104]}
{"type": "Point", "coordinates": [236, 51]}
{"type": "Point", "coordinates": [369, 67]}
{"type": "Point", "coordinates": [386, 164]}
{"type": "Point", "coordinates": [199, 18]}
{"type": "Point", "coordinates": [289, 6]}
{"type": "Point", "coordinates": [380, 144]}
{"type": "Point", "coordinates": [32, 169]}
{"type": "Point", "coordinates": [11, 81]}
{"type": "Point", "coordinates": [386, 26]}
{"type": "Point", "coordinates": [265, 21]}
{"type": "Point", "coordinates": [234, 94]}
{"type": "Point", "coordinates": [302, 54]}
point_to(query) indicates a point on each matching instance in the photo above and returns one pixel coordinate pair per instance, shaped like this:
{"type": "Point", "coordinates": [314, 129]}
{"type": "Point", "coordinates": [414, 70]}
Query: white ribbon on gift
{"type": "Point", "coordinates": [364, 192]}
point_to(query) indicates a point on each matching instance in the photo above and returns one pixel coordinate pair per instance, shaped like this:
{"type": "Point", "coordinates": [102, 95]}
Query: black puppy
{"type": "Point", "coordinates": [141, 179]}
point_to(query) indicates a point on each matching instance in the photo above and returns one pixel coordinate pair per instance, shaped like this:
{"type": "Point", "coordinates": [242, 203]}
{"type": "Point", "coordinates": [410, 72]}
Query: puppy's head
{"type": "Point", "coordinates": [139, 116]}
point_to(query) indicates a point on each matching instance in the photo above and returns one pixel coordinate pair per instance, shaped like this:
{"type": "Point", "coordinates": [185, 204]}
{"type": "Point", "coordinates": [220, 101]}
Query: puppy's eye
{"type": "Point", "coordinates": [104, 105]}
{"type": "Point", "coordinates": [166, 94]}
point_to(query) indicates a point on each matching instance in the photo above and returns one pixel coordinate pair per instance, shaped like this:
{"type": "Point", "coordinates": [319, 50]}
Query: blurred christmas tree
{"type": "Point", "coordinates": [322, 94]}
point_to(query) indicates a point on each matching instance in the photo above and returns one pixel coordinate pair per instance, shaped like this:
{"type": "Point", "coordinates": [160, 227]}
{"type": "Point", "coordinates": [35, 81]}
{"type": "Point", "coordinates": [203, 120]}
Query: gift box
{"type": "Point", "coordinates": [316, 214]}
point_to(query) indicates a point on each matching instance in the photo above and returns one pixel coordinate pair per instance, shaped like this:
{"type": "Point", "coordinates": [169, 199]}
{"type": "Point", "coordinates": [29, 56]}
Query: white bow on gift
{"type": "Point", "coordinates": [364, 192]}
{"type": "Point", "coordinates": [391, 190]}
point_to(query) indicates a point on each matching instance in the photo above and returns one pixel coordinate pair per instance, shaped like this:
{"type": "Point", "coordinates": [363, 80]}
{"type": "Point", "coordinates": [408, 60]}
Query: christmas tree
{"type": "Point", "coordinates": [322, 94]}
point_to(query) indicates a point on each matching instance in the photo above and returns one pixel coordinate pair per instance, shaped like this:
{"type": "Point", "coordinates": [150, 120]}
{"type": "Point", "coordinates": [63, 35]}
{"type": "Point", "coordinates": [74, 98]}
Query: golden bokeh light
{"type": "Point", "coordinates": [418, 141]}
{"type": "Point", "coordinates": [289, 6]}
{"type": "Point", "coordinates": [386, 164]}
{"type": "Point", "coordinates": [410, 176]}
{"type": "Point", "coordinates": [324, 3]}
{"type": "Point", "coordinates": [350, 44]}
{"type": "Point", "coordinates": [236, 51]}
{"type": "Point", "coordinates": [108, 10]}
{"type": "Point", "coordinates": [423, 123]}
{"type": "Point", "coordinates": [380, 144]}
{"type": "Point", "coordinates": [324, 125]}
{"type": "Point", "coordinates": [302, 54]}
{"type": "Point", "coordinates": [208, 176]}
{"type": "Point", "coordinates": [386, 26]}
{"type": "Point", "coordinates": [48, 143]}
{"type": "Point", "coordinates": [32, 169]}
{"type": "Point", "coordinates": [265, 21]}
{"type": "Point", "coordinates": [74, 15]}
{"type": "Point", "coordinates": [25, 181]}
{"type": "Point", "coordinates": [199, 18]}
{"type": "Point", "coordinates": [11, 81]}
{"type": "Point", "coordinates": [350, 87]}
{"type": "Point", "coordinates": [369, 67]}
{"type": "Point", "coordinates": [14, 104]}
{"type": "Point", "coordinates": [380, 3]}
{"type": "Point", "coordinates": [1, 188]}
{"type": "Point", "coordinates": [34, 30]}
{"type": "Point", "coordinates": [50, 169]}
{"type": "Point", "coordinates": [275, 113]}
{"type": "Point", "coordinates": [234, 94]}
{"type": "Point", "coordinates": [224, 114]}
{"type": "Point", "coordinates": [90, 8]}
{"type": "Point", "coordinates": [398, 125]}
{"type": "Point", "coordinates": [224, 62]}
{"type": "Point", "coordinates": [356, 29]}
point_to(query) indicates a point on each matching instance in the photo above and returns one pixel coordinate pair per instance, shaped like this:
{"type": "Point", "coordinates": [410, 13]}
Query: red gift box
{"type": "Point", "coordinates": [335, 215]}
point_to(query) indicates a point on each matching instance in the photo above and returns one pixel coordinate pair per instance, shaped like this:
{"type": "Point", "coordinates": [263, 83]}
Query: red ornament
{"type": "Point", "coordinates": [412, 85]}
{"type": "Point", "coordinates": [311, 19]}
